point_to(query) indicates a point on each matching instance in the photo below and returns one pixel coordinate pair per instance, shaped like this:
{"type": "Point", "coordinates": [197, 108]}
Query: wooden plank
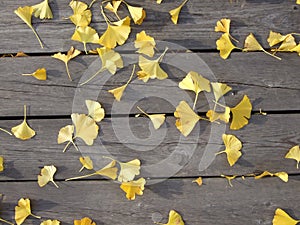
{"type": "Point", "coordinates": [194, 31]}
{"type": "Point", "coordinates": [163, 153]}
{"type": "Point", "coordinates": [247, 202]}
{"type": "Point", "coordinates": [268, 82]}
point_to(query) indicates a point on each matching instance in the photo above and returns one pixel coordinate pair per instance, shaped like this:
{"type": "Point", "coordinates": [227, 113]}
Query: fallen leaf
{"type": "Point", "coordinates": [84, 221]}
{"type": "Point", "coordinates": [138, 14]}
{"type": "Point", "coordinates": [282, 218]}
{"type": "Point", "coordinates": [72, 53]}
{"type": "Point", "coordinates": [156, 119]}
{"type": "Point", "coordinates": [174, 219]}
{"type": "Point", "coordinates": [282, 175]}
{"type": "Point", "coordinates": [1, 163]}
{"type": "Point", "coordinates": [129, 170]}
{"type": "Point", "coordinates": [23, 131]}
{"type": "Point", "coordinates": [134, 187]}
{"type": "Point", "coordinates": [96, 112]}
{"type": "Point", "coordinates": [199, 181]}
{"type": "Point", "coordinates": [241, 113]}
{"type": "Point", "coordinates": [85, 35]}
{"type": "Point", "coordinates": [294, 153]}
{"type": "Point", "coordinates": [66, 134]}
{"type": "Point", "coordinates": [232, 148]}
{"type": "Point", "coordinates": [214, 116]}
{"type": "Point", "coordinates": [50, 222]}
{"type": "Point", "coordinates": [21, 54]}
{"type": "Point", "coordinates": [196, 83]}
{"type": "Point", "coordinates": [174, 13]}
{"type": "Point", "coordinates": [220, 90]}
{"type": "Point", "coordinates": [40, 74]}
{"type": "Point", "coordinates": [82, 16]}
{"type": "Point", "coordinates": [46, 176]}
{"type": "Point", "coordinates": [287, 45]}
{"type": "Point", "coordinates": [223, 25]}
{"type": "Point", "coordinates": [275, 38]}
{"type": "Point", "coordinates": [145, 44]}
{"type": "Point", "coordinates": [25, 13]}
{"type": "Point", "coordinates": [159, 1]}
{"type": "Point", "coordinates": [229, 179]}
{"type": "Point", "coordinates": [113, 6]}
{"type": "Point", "coordinates": [42, 10]}
{"type": "Point", "coordinates": [86, 162]}
{"type": "Point", "coordinates": [225, 46]}
{"type": "Point", "coordinates": [23, 210]}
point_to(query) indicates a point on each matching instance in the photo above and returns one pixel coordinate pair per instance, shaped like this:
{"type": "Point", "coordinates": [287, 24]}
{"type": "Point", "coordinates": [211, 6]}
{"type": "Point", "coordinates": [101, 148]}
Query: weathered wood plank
{"type": "Point", "coordinates": [269, 83]}
{"type": "Point", "coordinates": [247, 202]}
{"type": "Point", "coordinates": [194, 31]}
{"type": "Point", "coordinates": [163, 153]}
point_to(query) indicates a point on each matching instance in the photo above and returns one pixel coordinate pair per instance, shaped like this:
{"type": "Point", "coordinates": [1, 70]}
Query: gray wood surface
{"type": "Point", "coordinates": [194, 31]}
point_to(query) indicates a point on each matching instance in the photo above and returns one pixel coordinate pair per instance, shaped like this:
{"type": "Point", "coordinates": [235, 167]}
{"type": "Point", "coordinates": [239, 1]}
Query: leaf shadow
{"type": "Point", "coordinates": [167, 189]}
{"type": "Point", "coordinates": [12, 172]}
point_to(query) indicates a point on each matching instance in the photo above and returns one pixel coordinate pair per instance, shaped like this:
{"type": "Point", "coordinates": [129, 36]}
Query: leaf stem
{"type": "Point", "coordinates": [91, 4]}
{"type": "Point", "coordinates": [25, 112]}
{"type": "Point", "coordinates": [54, 183]}
{"type": "Point", "coordinates": [67, 145]}
{"type": "Point", "coordinates": [297, 165]}
{"type": "Point", "coordinates": [233, 38]}
{"type": "Point", "coordinates": [162, 55]}
{"type": "Point", "coordinates": [84, 46]}
{"type": "Point", "coordinates": [268, 53]}
{"type": "Point", "coordinates": [142, 111]}
{"type": "Point", "coordinates": [218, 153]}
{"type": "Point", "coordinates": [6, 131]}
{"type": "Point", "coordinates": [104, 16]}
{"type": "Point", "coordinates": [81, 169]}
{"type": "Point", "coordinates": [37, 36]}
{"type": "Point", "coordinates": [5, 221]}
{"type": "Point", "coordinates": [68, 72]}
{"type": "Point", "coordinates": [219, 104]}
{"type": "Point", "coordinates": [80, 177]}
{"type": "Point", "coordinates": [195, 102]}
{"type": "Point", "coordinates": [92, 77]}
{"type": "Point", "coordinates": [38, 217]}
{"type": "Point", "coordinates": [132, 73]}
{"type": "Point", "coordinates": [27, 74]}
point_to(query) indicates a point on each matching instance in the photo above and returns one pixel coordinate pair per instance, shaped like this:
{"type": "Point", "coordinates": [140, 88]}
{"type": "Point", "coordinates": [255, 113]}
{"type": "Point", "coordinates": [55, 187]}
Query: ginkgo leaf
{"type": "Point", "coordinates": [199, 181]}
{"type": "Point", "coordinates": [287, 45]}
{"type": "Point", "coordinates": [220, 90]}
{"type": "Point", "coordinates": [174, 13]}
{"type": "Point", "coordinates": [25, 13]}
{"type": "Point", "coordinates": [229, 179]}
{"type": "Point", "coordinates": [96, 112]}
{"type": "Point", "coordinates": [132, 188]}
{"type": "Point", "coordinates": [196, 83]}
{"type": "Point", "coordinates": [223, 25]}
{"type": "Point", "coordinates": [282, 175]}
{"type": "Point", "coordinates": [275, 38]}
{"type": "Point", "coordinates": [82, 16]}
{"type": "Point", "coordinates": [86, 162]}
{"type": "Point", "coordinates": [174, 219]}
{"type": "Point", "coordinates": [186, 118]}
{"type": "Point", "coordinates": [159, 1]}
{"type": "Point", "coordinates": [72, 53]}
{"type": "Point", "coordinates": [84, 221]}
{"type": "Point", "coordinates": [66, 134]}
{"type": "Point", "coordinates": [111, 60]}
{"type": "Point", "coordinates": [251, 44]}
{"type": "Point", "coordinates": [129, 170]}
{"type": "Point", "coordinates": [138, 14]}
{"type": "Point", "coordinates": [156, 119]}
{"type": "Point", "coordinates": [213, 116]}
{"type": "Point", "coordinates": [118, 92]}
{"type": "Point", "coordinates": [109, 171]}
{"type": "Point", "coordinates": [145, 44]}
{"type": "Point", "coordinates": [225, 46]}
{"type": "Point", "coordinates": [85, 35]}
{"type": "Point", "coordinates": [113, 6]}
{"type": "Point", "coordinates": [46, 175]}
{"type": "Point", "coordinates": [50, 222]}
{"type": "Point", "coordinates": [43, 10]}
{"type": "Point", "coordinates": [1, 163]}
{"type": "Point", "coordinates": [23, 131]}
{"type": "Point", "coordinates": [23, 210]}
{"type": "Point", "coordinates": [298, 2]}
{"type": "Point", "coordinates": [85, 127]}
{"type": "Point", "coordinates": [232, 148]}
{"type": "Point", "coordinates": [282, 218]}
{"type": "Point", "coordinates": [40, 74]}
{"type": "Point", "coordinates": [241, 113]}
{"type": "Point", "coordinates": [294, 153]}
{"type": "Point", "coordinates": [152, 67]}
{"type": "Point", "coordinates": [116, 33]}
{"type": "Point", "coordinates": [142, 75]}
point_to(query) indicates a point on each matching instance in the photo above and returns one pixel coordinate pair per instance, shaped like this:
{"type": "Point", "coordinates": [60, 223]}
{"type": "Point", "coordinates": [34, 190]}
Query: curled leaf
{"type": "Point", "coordinates": [282, 175]}
{"type": "Point", "coordinates": [229, 179]}
{"type": "Point", "coordinates": [133, 188]}
{"type": "Point", "coordinates": [23, 210]}
{"type": "Point", "coordinates": [174, 13]}
{"type": "Point", "coordinates": [40, 74]}
{"type": "Point", "coordinates": [294, 153]}
{"type": "Point", "coordinates": [199, 181]}
{"type": "Point", "coordinates": [84, 221]}
{"type": "Point", "coordinates": [43, 10]}
{"type": "Point", "coordinates": [46, 176]}
{"type": "Point", "coordinates": [96, 112]}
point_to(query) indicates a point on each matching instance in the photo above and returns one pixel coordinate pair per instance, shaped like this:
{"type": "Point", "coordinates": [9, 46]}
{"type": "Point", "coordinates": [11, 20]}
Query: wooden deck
{"type": "Point", "coordinates": [272, 85]}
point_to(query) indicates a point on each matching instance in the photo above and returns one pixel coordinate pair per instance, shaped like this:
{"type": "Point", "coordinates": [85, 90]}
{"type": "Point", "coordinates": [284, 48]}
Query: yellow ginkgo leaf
{"type": "Point", "coordinates": [118, 92]}
{"type": "Point", "coordinates": [85, 35]}
{"type": "Point", "coordinates": [174, 219]}
{"type": "Point", "coordinates": [220, 90]}
{"type": "Point", "coordinates": [66, 134]}
{"type": "Point", "coordinates": [275, 38]}
{"type": "Point", "coordinates": [213, 116]}
{"type": "Point", "coordinates": [1, 163]}
{"type": "Point", "coordinates": [145, 44]}
{"type": "Point", "coordinates": [25, 13]}
{"type": "Point", "coordinates": [232, 148]}
{"type": "Point", "coordinates": [152, 67]}
{"type": "Point", "coordinates": [251, 44]}
{"type": "Point", "coordinates": [86, 162]}
{"type": "Point", "coordinates": [186, 118]}
{"type": "Point", "coordinates": [84, 221]}
{"type": "Point", "coordinates": [109, 171]}
{"type": "Point", "coordinates": [110, 59]}
{"type": "Point", "coordinates": [23, 131]}
{"type": "Point", "coordinates": [241, 113]}
{"type": "Point", "coordinates": [225, 46]}
{"type": "Point", "coordinates": [113, 6]}
{"type": "Point", "coordinates": [116, 33]}
{"type": "Point", "coordinates": [96, 112]}
{"type": "Point", "coordinates": [229, 179]}
{"type": "Point", "coordinates": [196, 83]}
{"type": "Point", "coordinates": [156, 119]}
{"type": "Point", "coordinates": [199, 181]}
{"type": "Point", "coordinates": [85, 127]}
{"type": "Point", "coordinates": [294, 153]}
{"type": "Point", "coordinates": [138, 14]}
{"type": "Point", "coordinates": [82, 16]}
{"type": "Point", "coordinates": [129, 170]}
{"type": "Point", "coordinates": [287, 45]}
{"type": "Point", "coordinates": [132, 188]}
{"type": "Point", "coordinates": [298, 2]}
{"type": "Point", "coordinates": [282, 175]}
{"type": "Point", "coordinates": [46, 175]}
{"type": "Point", "coordinates": [174, 13]}
{"type": "Point", "coordinates": [223, 25]}
{"type": "Point", "coordinates": [42, 10]}
{"type": "Point", "coordinates": [40, 74]}
{"type": "Point", "coordinates": [142, 75]}
{"type": "Point", "coordinates": [72, 53]}
{"type": "Point", "coordinates": [282, 218]}
{"type": "Point", "coordinates": [50, 222]}
{"type": "Point", "coordinates": [23, 210]}
{"type": "Point", "coordinates": [159, 1]}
